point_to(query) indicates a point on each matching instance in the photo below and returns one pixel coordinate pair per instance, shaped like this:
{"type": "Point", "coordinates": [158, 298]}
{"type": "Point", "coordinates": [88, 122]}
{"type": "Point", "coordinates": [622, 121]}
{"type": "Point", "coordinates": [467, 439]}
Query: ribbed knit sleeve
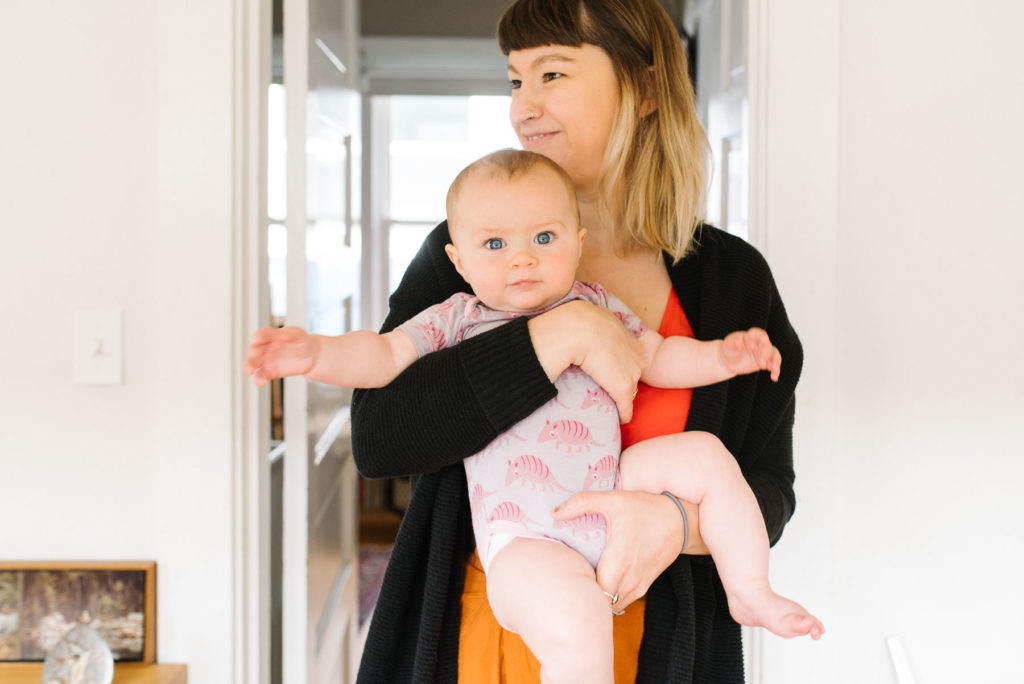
{"type": "Point", "coordinates": [451, 403]}
{"type": "Point", "coordinates": [726, 286]}
{"type": "Point", "coordinates": [766, 455]}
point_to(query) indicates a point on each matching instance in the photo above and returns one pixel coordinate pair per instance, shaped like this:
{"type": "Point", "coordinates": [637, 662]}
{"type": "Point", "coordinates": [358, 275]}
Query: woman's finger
{"type": "Point", "coordinates": [615, 573]}
{"type": "Point", "coordinates": [610, 570]}
{"type": "Point", "coordinates": [579, 504]}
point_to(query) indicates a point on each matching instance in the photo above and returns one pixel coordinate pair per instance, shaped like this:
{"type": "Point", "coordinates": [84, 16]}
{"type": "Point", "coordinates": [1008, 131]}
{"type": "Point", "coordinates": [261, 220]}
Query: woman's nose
{"type": "Point", "coordinates": [525, 106]}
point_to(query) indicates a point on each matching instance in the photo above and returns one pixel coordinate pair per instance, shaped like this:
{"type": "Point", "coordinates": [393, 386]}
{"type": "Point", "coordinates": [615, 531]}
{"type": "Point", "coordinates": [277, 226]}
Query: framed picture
{"type": "Point", "coordinates": [41, 601]}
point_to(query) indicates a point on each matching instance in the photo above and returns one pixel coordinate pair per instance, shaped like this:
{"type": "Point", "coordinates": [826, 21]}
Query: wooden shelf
{"type": "Point", "coordinates": [124, 673]}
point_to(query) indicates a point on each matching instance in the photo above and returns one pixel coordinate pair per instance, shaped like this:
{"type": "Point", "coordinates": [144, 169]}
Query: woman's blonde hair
{"type": "Point", "coordinates": [653, 176]}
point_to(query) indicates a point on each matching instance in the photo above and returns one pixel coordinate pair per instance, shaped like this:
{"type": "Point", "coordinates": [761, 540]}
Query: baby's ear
{"type": "Point", "coordinates": [453, 254]}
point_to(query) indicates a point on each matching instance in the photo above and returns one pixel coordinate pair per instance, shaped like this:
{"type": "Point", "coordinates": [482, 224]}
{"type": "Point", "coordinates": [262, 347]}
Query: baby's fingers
{"type": "Point", "coordinates": [264, 336]}
{"type": "Point", "coordinates": [253, 366]}
{"type": "Point", "coordinates": [775, 364]}
{"type": "Point", "coordinates": [757, 343]}
{"type": "Point", "coordinates": [765, 355]}
{"type": "Point", "coordinates": [253, 359]}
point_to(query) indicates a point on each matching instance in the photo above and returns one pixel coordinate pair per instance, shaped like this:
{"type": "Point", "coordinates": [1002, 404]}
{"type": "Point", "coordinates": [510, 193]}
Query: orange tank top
{"type": "Point", "coordinates": [658, 411]}
{"type": "Point", "coordinates": [489, 654]}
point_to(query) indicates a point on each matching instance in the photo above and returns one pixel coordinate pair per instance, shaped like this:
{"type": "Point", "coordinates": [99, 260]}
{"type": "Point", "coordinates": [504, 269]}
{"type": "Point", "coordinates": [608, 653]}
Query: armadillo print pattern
{"type": "Point", "coordinates": [571, 444]}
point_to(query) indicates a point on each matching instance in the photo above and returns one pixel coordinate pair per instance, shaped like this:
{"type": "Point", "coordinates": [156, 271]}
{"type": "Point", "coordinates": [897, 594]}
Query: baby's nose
{"type": "Point", "coordinates": [523, 257]}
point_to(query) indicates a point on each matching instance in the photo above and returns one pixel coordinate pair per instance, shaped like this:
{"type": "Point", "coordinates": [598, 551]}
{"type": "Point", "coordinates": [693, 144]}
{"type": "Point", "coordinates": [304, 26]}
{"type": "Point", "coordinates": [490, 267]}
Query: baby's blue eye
{"type": "Point", "coordinates": [494, 243]}
{"type": "Point", "coordinates": [544, 238]}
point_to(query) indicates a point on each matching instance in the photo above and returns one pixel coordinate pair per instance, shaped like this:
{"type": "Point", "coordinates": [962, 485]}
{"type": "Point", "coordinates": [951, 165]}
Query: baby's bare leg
{"type": "Point", "coordinates": [547, 593]}
{"type": "Point", "coordinates": [697, 467]}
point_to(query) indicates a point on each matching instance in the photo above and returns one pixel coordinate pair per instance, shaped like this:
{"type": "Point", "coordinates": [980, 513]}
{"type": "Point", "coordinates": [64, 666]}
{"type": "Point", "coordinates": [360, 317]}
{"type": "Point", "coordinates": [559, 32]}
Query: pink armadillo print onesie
{"type": "Point", "coordinates": [569, 445]}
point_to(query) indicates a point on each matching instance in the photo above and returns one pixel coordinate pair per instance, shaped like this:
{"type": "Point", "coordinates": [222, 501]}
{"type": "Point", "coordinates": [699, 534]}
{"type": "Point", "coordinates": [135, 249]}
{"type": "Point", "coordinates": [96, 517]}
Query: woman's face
{"type": "Point", "coordinates": [564, 100]}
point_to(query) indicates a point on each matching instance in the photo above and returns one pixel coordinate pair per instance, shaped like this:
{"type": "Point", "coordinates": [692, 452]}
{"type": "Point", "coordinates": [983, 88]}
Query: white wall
{"type": "Point", "coordinates": [895, 218]}
{"type": "Point", "coordinates": [115, 175]}
{"type": "Point", "coordinates": [894, 223]}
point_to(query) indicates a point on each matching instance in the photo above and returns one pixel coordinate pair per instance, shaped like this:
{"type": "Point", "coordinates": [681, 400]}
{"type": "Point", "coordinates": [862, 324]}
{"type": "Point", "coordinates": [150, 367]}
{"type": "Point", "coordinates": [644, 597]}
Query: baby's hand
{"type": "Point", "coordinates": [279, 352]}
{"type": "Point", "coordinates": [750, 351]}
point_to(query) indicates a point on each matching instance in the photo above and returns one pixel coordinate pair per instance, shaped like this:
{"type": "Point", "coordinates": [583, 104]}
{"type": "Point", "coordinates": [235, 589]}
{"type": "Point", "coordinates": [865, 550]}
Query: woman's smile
{"type": "Point", "coordinates": [537, 137]}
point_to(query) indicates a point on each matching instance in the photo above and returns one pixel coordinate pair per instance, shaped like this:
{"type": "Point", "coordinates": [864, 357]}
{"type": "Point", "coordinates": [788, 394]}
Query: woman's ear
{"type": "Point", "coordinates": [648, 107]}
{"type": "Point", "coordinates": [650, 102]}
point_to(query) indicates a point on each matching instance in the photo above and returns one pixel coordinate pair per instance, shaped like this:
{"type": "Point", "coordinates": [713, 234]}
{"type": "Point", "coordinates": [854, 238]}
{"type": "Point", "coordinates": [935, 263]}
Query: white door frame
{"type": "Point", "coordinates": [757, 101]}
{"type": "Point", "coordinates": [250, 495]}
{"type": "Point", "coordinates": [757, 232]}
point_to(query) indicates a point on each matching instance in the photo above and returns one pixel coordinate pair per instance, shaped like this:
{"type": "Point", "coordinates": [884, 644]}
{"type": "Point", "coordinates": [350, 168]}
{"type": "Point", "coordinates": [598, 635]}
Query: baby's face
{"type": "Point", "coordinates": [516, 242]}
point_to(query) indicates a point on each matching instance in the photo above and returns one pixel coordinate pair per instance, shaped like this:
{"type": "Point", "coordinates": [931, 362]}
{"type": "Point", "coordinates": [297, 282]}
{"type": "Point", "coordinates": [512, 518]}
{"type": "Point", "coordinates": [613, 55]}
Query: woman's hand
{"type": "Point", "coordinates": [644, 536]}
{"type": "Point", "coordinates": [591, 337]}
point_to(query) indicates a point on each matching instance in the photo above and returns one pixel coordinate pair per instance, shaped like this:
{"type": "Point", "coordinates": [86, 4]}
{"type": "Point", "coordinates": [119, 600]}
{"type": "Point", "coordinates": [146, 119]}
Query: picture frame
{"type": "Point", "coordinates": [41, 600]}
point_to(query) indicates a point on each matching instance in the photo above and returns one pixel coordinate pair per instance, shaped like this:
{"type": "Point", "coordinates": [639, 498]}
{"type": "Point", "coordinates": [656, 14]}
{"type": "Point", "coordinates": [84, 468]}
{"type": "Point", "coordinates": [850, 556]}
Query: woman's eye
{"type": "Point", "coordinates": [514, 84]}
{"type": "Point", "coordinates": [494, 243]}
{"type": "Point", "coordinates": [544, 238]}
{"type": "Point", "coordinates": [552, 75]}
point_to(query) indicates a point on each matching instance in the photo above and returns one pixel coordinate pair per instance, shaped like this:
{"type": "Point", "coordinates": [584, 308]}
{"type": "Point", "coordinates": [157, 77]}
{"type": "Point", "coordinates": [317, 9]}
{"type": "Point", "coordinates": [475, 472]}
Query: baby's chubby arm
{"type": "Point", "coordinates": [361, 358]}
{"type": "Point", "coordinates": [685, 362]}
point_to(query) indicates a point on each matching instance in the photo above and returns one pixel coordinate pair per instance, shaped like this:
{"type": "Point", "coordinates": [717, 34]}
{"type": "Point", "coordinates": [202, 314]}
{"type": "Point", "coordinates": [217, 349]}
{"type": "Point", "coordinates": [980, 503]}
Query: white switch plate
{"type": "Point", "coordinates": [98, 349]}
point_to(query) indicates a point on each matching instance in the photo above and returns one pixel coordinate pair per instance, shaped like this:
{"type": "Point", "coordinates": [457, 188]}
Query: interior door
{"type": "Point", "coordinates": [320, 558]}
{"type": "Point", "coordinates": [721, 27]}
{"type": "Point", "coordinates": [722, 81]}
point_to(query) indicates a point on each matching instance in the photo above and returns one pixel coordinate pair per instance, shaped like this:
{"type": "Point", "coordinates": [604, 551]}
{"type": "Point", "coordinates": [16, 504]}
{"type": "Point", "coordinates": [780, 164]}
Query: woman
{"type": "Point", "coordinates": [600, 87]}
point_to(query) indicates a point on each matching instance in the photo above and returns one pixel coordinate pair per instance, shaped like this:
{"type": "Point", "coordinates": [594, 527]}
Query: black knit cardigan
{"type": "Point", "coordinates": [452, 403]}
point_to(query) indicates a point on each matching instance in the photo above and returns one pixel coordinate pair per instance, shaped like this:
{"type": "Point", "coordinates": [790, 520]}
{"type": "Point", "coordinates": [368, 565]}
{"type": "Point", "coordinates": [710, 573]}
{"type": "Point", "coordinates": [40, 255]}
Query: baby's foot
{"type": "Point", "coordinates": [765, 608]}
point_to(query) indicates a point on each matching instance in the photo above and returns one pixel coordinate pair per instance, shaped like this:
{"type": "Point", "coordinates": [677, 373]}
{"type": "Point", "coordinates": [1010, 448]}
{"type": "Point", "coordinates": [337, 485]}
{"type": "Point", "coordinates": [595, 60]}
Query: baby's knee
{"type": "Point", "coordinates": [717, 460]}
{"type": "Point", "coordinates": [708, 446]}
{"type": "Point", "coordinates": [705, 443]}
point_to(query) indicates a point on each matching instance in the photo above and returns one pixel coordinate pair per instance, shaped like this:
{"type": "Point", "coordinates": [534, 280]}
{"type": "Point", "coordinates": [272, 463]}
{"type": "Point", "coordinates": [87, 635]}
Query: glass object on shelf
{"type": "Point", "coordinates": [79, 657]}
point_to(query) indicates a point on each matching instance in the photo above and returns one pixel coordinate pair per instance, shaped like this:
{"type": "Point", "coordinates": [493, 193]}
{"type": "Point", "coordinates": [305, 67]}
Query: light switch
{"type": "Point", "coordinates": [98, 352]}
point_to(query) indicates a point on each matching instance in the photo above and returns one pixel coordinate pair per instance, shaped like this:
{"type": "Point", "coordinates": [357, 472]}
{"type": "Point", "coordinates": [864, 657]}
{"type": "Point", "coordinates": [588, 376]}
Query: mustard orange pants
{"type": "Point", "coordinates": [489, 654]}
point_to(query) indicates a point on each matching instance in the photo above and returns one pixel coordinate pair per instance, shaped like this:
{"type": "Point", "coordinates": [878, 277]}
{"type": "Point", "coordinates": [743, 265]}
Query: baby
{"type": "Point", "coordinates": [516, 240]}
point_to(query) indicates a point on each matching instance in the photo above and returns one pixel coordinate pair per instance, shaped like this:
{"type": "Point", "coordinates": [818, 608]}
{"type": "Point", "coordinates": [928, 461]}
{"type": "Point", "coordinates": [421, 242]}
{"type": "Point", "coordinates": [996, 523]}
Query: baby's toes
{"type": "Point", "coordinates": [808, 624]}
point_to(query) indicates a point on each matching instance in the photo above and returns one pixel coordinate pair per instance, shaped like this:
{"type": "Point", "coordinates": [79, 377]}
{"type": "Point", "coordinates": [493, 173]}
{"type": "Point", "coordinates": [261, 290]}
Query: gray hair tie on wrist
{"type": "Point", "coordinates": [686, 522]}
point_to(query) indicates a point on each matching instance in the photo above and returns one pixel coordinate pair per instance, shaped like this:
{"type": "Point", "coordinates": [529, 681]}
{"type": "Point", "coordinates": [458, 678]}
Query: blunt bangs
{"type": "Point", "coordinates": [531, 23]}
{"type": "Point", "coordinates": [604, 23]}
